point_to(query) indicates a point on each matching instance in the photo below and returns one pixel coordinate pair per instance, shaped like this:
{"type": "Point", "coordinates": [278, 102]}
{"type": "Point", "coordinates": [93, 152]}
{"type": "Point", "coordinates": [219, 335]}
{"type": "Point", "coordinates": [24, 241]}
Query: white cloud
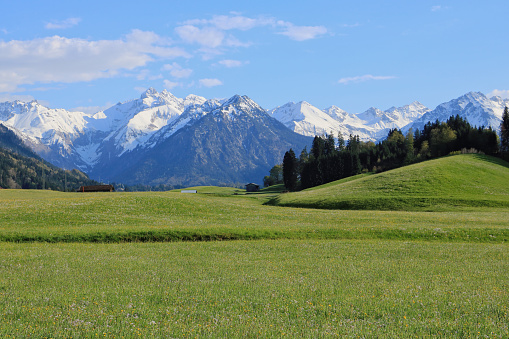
{"type": "Point", "coordinates": [301, 33]}
{"type": "Point", "coordinates": [235, 21]}
{"type": "Point", "coordinates": [232, 63]}
{"type": "Point", "coordinates": [60, 59]}
{"type": "Point", "coordinates": [145, 74]}
{"type": "Point", "coordinates": [171, 85]}
{"type": "Point", "coordinates": [210, 82]}
{"type": "Point", "coordinates": [363, 78]}
{"type": "Point", "coordinates": [504, 94]}
{"type": "Point", "coordinates": [207, 36]}
{"type": "Point", "coordinates": [10, 97]}
{"type": "Point", "coordinates": [63, 24]}
{"type": "Point", "coordinates": [92, 109]}
{"type": "Point", "coordinates": [438, 8]}
{"type": "Point", "coordinates": [177, 71]}
{"type": "Point", "coordinates": [212, 33]}
{"type": "Point", "coordinates": [351, 25]}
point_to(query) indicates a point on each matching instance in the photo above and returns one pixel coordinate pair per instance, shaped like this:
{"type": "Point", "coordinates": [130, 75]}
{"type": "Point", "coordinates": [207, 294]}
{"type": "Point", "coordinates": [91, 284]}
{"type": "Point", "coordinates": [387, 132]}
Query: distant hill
{"type": "Point", "coordinates": [20, 167]}
{"type": "Point", "coordinates": [448, 183]}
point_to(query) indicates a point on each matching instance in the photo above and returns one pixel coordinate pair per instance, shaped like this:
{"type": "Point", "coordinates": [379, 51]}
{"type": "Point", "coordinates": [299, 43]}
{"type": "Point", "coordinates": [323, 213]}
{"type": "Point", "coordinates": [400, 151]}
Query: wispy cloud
{"type": "Point", "coordinates": [178, 71]}
{"type": "Point", "coordinates": [171, 84]}
{"type": "Point", "coordinates": [60, 59]}
{"type": "Point", "coordinates": [351, 25]}
{"type": "Point", "coordinates": [217, 32]}
{"type": "Point", "coordinates": [232, 63]}
{"type": "Point", "coordinates": [12, 97]}
{"type": "Point", "coordinates": [504, 94]}
{"type": "Point", "coordinates": [438, 8]}
{"type": "Point", "coordinates": [210, 82]}
{"type": "Point", "coordinates": [63, 24]}
{"type": "Point", "coordinates": [301, 33]}
{"type": "Point", "coordinates": [93, 109]}
{"type": "Point", "coordinates": [363, 78]}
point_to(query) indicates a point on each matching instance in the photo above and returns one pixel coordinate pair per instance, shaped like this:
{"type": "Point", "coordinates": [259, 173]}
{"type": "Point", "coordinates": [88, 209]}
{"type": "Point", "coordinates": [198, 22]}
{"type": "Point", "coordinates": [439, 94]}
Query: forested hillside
{"type": "Point", "coordinates": [21, 168]}
{"type": "Point", "coordinates": [330, 159]}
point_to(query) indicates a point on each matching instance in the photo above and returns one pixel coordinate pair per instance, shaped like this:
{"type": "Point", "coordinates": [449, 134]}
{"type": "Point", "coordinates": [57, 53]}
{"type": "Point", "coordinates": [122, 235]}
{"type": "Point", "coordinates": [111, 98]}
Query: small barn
{"type": "Point", "coordinates": [96, 188]}
{"type": "Point", "coordinates": [252, 187]}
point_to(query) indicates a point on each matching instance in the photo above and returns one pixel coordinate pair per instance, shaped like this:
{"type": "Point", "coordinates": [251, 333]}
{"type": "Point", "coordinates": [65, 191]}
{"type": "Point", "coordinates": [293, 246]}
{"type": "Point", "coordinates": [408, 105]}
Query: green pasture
{"type": "Point", "coordinates": [224, 263]}
{"type": "Point", "coordinates": [170, 216]}
{"type": "Point", "coordinates": [265, 288]}
{"type": "Point", "coordinates": [453, 183]}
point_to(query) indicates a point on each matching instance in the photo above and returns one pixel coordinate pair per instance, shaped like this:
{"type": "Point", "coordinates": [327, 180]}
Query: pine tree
{"type": "Point", "coordinates": [341, 142]}
{"type": "Point", "coordinates": [290, 170]}
{"type": "Point", "coordinates": [504, 132]}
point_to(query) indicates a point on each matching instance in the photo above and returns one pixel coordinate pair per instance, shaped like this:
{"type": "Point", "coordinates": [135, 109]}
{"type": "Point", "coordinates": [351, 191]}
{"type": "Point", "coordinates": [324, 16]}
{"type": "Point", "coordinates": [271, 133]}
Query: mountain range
{"type": "Point", "coordinates": [161, 139]}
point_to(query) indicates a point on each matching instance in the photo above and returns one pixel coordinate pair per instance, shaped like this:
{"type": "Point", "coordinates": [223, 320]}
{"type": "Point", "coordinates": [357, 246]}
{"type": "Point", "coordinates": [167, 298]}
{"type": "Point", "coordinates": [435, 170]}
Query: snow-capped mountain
{"type": "Point", "coordinates": [193, 137]}
{"type": "Point", "coordinates": [235, 142]}
{"type": "Point", "coordinates": [475, 107]}
{"type": "Point", "coordinates": [49, 132]}
{"type": "Point", "coordinates": [372, 124]}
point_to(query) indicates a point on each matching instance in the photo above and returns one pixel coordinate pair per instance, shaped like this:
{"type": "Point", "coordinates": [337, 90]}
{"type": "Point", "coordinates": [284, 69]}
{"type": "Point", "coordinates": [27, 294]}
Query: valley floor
{"type": "Point", "coordinates": [312, 273]}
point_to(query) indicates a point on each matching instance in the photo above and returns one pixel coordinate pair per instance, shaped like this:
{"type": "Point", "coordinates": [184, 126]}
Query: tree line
{"type": "Point", "coordinates": [332, 158]}
{"type": "Point", "coordinates": [21, 172]}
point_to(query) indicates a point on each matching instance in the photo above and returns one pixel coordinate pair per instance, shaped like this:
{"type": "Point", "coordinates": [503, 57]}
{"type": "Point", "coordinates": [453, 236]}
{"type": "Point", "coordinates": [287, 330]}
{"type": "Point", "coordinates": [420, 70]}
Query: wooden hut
{"type": "Point", "coordinates": [251, 187]}
{"type": "Point", "coordinates": [96, 188]}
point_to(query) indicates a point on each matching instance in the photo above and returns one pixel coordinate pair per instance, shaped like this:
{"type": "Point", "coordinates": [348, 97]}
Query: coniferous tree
{"type": "Point", "coordinates": [290, 170]}
{"type": "Point", "coordinates": [504, 132]}
{"type": "Point", "coordinates": [341, 142]}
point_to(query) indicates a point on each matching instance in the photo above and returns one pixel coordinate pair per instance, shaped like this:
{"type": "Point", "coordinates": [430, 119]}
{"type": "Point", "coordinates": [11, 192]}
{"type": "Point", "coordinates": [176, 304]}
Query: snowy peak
{"type": "Point", "coordinates": [305, 119]}
{"type": "Point", "coordinates": [238, 105]}
{"type": "Point", "coordinates": [194, 100]}
{"type": "Point", "coordinates": [474, 107]}
{"type": "Point", "coordinates": [336, 113]}
{"type": "Point", "coordinates": [372, 124]}
{"type": "Point", "coordinates": [37, 121]}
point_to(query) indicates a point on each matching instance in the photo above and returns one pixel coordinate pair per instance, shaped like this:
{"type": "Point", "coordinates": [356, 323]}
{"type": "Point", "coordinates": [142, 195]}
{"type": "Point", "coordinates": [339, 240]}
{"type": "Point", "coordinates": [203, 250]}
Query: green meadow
{"type": "Point", "coordinates": [224, 263]}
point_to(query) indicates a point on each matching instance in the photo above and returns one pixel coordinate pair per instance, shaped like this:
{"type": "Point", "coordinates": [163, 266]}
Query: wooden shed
{"type": "Point", "coordinates": [96, 188]}
{"type": "Point", "coordinates": [251, 187]}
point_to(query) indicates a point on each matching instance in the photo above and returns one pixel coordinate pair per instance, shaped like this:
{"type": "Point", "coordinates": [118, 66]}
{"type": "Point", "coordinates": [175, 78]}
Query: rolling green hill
{"type": "Point", "coordinates": [449, 183]}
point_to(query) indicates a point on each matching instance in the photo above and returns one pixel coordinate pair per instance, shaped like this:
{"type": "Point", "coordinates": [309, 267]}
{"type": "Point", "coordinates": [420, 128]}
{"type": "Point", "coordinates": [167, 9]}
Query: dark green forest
{"type": "Point", "coordinates": [333, 158]}
{"type": "Point", "coordinates": [20, 167]}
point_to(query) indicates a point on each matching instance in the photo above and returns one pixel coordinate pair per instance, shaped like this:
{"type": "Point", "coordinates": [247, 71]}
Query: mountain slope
{"type": "Point", "coordinates": [20, 167]}
{"type": "Point", "coordinates": [449, 183]}
{"type": "Point", "coordinates": [233, 144]}
{"type": "Point", "coordinates": [11, 142]}
{"type": "Point", "coordinates": [372, 124]}
{"type": "Point", "coordinates": [474, 107]}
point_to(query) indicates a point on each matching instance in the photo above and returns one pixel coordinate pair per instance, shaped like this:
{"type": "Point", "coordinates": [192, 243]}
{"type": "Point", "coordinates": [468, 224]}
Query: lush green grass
{"type": "Point", "coordinates": [294, 288]}
{"type": "Point", "coordinates": [158, 216]}
{"type": "Point", "coordinates": [458, 182]}
{"type": "Point", "coordinates": [213, 190]}
{"type": "Point", "coordinates": [315, 273]}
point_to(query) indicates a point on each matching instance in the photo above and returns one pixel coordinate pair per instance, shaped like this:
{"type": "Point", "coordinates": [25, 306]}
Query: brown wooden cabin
{"type": "Point", "coordinates": [96, 188]}
{"type": "Point", "coordinates": [251, 187]}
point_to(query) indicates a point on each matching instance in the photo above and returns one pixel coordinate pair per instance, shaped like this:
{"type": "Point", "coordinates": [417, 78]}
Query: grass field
{"type": "Point", "coordinates": [444, 184]}
{"type": "Point", "coordinates": [142, 264]}
{"type": "Point", "coordinates": [294, 288]}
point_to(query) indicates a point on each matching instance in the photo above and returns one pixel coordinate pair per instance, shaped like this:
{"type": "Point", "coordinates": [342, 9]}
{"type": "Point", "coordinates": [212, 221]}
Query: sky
{"type": "Point", "coordinates": [89, 55]}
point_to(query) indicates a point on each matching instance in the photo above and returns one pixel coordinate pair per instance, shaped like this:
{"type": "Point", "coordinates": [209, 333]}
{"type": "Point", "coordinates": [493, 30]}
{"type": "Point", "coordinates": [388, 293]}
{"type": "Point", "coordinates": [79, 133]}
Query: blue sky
{"type": "Point", "coordinates": [352, 54]}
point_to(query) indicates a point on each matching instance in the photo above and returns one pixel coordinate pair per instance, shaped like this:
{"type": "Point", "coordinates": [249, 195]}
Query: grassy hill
{"type": "Point", "coordinates": [449, 183]}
